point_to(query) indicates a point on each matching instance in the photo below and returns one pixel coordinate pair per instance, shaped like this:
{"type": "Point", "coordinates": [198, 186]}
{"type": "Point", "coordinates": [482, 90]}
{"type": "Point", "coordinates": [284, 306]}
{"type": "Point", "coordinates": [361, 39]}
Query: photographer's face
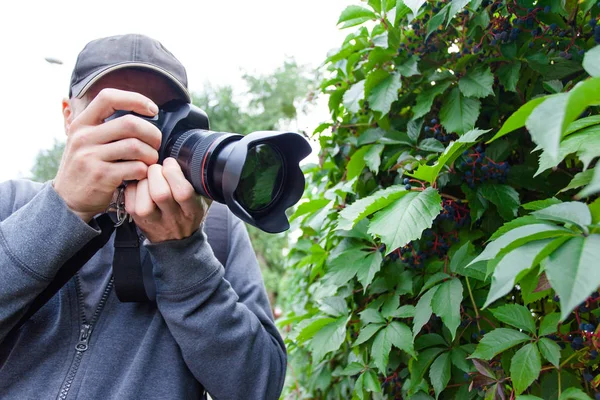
{"type": "Point", "coordinates": [150, 84]}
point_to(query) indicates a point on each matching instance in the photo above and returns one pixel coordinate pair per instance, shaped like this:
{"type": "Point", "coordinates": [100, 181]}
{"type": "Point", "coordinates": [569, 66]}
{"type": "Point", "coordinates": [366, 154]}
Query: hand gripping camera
{"type": "Point", "coordinates": [257, 176]}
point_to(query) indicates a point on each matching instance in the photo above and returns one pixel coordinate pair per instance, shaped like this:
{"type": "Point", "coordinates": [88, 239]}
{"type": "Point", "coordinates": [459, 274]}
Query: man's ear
{"type": "Point", "coordinates": [68, 114]}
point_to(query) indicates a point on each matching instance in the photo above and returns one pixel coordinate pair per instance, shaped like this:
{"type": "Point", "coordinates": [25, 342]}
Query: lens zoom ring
{"type": "Point", "coordinates": [198, 158]}
{"type": "Point", "coordinates": [179, 143]}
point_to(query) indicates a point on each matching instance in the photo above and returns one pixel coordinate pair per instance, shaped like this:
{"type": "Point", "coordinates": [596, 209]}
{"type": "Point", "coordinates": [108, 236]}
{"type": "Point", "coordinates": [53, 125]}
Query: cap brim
{"type": "Point", "coordinates": [79, 89]}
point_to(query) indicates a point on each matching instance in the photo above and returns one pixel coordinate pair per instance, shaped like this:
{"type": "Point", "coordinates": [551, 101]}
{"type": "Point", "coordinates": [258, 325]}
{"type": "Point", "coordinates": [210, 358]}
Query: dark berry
{"type": "Point", "coordinates": [427, 128]}
{"type": "Point", "coordinates": [581, 52]}
{"type": "Point", "coordinates": [583, 308]}
{"type": "Point", "coordinates": [562, 34]}
{"type": "Point", "coordinates": [587, 376]}
{"type": "Point", "coordinates": [466, 376]}
{"type": "Point", "coordinates": [434, 121]}
{"type": "Point", "coordinates": [406, 181]}
{"type": "Point", "coordinates": [408, 187]}
{"type": "Point", "coordinates": [547, 9]}
{"type": "Point", "coordinates": [592, 22]}
{"type": "Point", "coordinates": [530, 45]}
{"type": "Point", "coordinates": [597, 396]}
{"type": "Point", "coordinates": [593, 354]}
{"type": "Point", "coordinates": [553, 27]}
{"type": "Point", "coordinates": [590, 327]}
{"type": "Point", "coordinates": [556, 299]}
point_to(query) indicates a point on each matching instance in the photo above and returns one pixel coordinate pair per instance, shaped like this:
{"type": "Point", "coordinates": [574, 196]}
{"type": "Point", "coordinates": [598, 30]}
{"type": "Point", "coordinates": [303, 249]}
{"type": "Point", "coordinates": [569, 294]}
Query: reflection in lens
{"type": "Point", "coordinates": [261, 179]}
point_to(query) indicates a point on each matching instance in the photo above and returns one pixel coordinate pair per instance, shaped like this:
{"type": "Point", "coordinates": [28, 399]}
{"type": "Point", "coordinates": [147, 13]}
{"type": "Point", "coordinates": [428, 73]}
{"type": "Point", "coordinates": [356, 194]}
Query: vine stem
{"type": "Point", "coordinates": [473, 302]}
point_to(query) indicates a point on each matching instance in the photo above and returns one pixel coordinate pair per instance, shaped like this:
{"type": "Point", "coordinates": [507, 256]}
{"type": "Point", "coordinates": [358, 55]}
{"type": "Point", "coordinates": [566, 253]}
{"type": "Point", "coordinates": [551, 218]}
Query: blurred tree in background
{"type": "Point", "coordinates": [271, 102]}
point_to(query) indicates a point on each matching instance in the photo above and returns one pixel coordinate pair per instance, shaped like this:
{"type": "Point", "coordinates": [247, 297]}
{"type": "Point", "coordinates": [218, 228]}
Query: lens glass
{"type": "Point", "coordinates": [262, 178]}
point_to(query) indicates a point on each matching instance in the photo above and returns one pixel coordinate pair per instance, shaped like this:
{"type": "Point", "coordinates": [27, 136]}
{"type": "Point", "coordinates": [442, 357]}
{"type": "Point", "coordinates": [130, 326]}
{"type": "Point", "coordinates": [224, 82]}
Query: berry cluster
{"type": "Point", "coordinates": [437, 132]}
{"type": "Point", "coordinates": [454, 211]}
{"type": "Point", "coordinates": [392, 385]}
{"type": "Point", "coordinates": [478, 167]}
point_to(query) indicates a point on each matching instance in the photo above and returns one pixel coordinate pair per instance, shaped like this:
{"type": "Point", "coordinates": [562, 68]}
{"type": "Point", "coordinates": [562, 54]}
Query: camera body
{"type": "Point", "coordinates": [257, 175]}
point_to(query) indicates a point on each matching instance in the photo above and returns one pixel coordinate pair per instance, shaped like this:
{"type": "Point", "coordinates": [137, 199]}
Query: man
{"type": "Point", "coordinates": [211, 327]}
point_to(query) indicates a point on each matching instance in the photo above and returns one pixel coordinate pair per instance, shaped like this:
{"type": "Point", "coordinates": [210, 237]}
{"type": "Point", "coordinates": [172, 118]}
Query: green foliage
{"type": "Point", "coordinates": [47, 162]}
{"type": "Point", "coordinates": [453, 218]}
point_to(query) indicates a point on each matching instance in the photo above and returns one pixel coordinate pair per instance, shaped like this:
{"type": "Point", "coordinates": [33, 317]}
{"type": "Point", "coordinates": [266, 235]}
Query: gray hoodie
{"type": "Point", "coordinates": [211, 328]}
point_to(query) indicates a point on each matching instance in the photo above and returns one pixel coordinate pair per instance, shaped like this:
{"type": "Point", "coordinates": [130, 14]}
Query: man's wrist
{"type": "Point", "coordinates": [86, 217]}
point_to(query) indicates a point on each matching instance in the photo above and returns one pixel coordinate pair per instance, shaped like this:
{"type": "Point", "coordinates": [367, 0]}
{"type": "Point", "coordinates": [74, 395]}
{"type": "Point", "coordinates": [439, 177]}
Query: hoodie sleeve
{"type": "Point", "coordinates": [35, 241]}
{"type": "Point", "coordinates": [220, 316]}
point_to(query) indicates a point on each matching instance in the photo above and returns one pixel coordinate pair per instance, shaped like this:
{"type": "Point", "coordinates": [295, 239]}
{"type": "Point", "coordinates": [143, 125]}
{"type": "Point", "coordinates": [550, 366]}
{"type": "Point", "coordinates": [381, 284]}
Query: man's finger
{"type": "Point", "coordinates": [182, 190]}
{"type": "Point", "coordinates": [127, 126]}
{"type": "Point", "coordinates": [130, 192]}
{"type": "Point", "coordinates": [160, 192]}
{"type": "Point", "coordinates": [110, 100]}
{"type": "Point", "coordinates": [118, 172]}
{"type": "Point", "coordinates": [128, 149]}
{"type": "Point", "coordinates": [144, 206]}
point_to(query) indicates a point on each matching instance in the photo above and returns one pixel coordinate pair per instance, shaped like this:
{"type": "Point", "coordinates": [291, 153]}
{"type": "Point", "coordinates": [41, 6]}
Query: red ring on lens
{"type": "Point", "coordinates": [202, 169]}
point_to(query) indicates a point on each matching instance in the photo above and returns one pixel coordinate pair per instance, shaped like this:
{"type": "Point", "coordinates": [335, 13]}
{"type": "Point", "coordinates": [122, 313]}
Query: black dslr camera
{"type": "Point", "coordinates": [257, 176]}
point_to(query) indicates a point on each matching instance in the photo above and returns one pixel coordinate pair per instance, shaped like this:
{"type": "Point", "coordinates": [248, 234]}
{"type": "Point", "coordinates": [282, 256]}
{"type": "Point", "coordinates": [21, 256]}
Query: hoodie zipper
{"type": "Point", "coordinates": [84, 334]}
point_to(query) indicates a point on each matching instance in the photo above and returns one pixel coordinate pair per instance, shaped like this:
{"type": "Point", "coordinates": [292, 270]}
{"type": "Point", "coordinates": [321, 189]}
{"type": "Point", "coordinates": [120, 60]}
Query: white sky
{"type": "Point", "coordinates": [215, 40]}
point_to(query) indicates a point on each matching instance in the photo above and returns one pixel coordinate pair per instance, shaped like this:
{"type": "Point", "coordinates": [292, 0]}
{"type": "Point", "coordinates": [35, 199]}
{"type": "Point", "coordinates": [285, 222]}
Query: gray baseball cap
{"type": "Point", "coordinates": [103, 56]}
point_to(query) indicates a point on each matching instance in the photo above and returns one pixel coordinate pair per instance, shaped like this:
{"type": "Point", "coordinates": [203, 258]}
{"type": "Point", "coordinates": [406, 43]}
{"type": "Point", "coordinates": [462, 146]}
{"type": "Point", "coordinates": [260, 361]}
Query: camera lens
{"type": "Point", "coordinates": [261, 180]}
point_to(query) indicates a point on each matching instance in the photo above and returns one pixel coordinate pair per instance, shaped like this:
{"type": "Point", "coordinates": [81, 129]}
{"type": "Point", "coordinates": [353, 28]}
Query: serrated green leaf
{"type": "Point", "coordinates": [426, 97]}
{"type": "Point", "coordinates": [335, 306]}
{"type": "Point", "coordinates": [572, 271]}
{"type": "Point", "coordinates": [508, 75]}
{"type": "Point", "coordinates": [406, 218]}
{"type": "Point", "coordinates": [574, 394]}
{"type": "Point", "coordinates": [585, 143]}
{"type": "Point", "coordinates": [373, 157]}
{"type": "Point", "coordinates": [512, 265]}
{"type": "Point", "coordinates": [497, 341]}
{"type": "Point", "coordinates": [549, 324]}
{"type": "Point", "coordinates": [357, 163]}
{"type": "Point", "coordinates": [414, 5]}
{"type": "Point", "coordinates": [430, 173]}
{"type": "Point", "coordinates": [434, 279]}
{"type": "Point", "coordinates": [369, 136]}
{"type": "Point", "coordinates": [582, 123]}
{"type": "Point", "coordinates": [371, 265]}
{"type": "Point", "coordinates": [309, 207]}
{"type": "Point", "coordinates": [367, 332]}
{"type": "Point", "coordinates": [429, 340]}
{"type": "Point", "coordinates": [446, 304]}
{"type": "Point", "coordinates": [409, 67]}
{"type": "Point", "coordinates": [584, 94]}
{"type": "Point", "coordinates": [477, 83]}
{"type": "Point", "coordinates": [371, 382]}
{"type": "Point", "coordinates": [401, 337]}
{"type": "Point", "coordinates": [355, 15]}
{"type": "Point", "coordinates": [525, 367]}
{"type": "Point", "coordinates": [545, 123]}
{"type": "Point", "coordinates": [368, 205]}
{"type": "Point", "coordinates": [518, 118]}
{"type": "Point", "coordinates": [515, 315]}
{"type": "Point", "coordinates": [419, 367]}
{"type": "Point", "coordinates": [328, 339]}
{"type": "Point", "coordinates": [406, 311]}
{"type": "Point", "coordinates": [572, 212]}
{"type": "Point", "coordinates": [528, 397]}
{"type": "Point", "coordinates": [539, 204]}
{"type": "Point", "coordinates": [594, 185]}
{"type": "Point", "coordinates": [518, 237]}
{"type": "Point", "coordinates": [431, 144]}
{"type": "Point", "coordinates": [312, 326]}
{"type": "Point", "coordinates": [380, 351]}
{"type": "Point", "coordinates": [459, 359]}
{"type": "Point", "coordinates": [550, 351]}
{"type": "Point", "coordinates": [371, 315]}
{"type": "Point", "coordinates": [439, 373]}
{"type": "Point", "coordinates": [455, 7]}
{"type": "Point", "coordinates": [458, 113]}
{"type": "Point", "coordinates": [437, 20]}
{"type": "Point", "coordinates": [423, 310]}
{"type": "Point", "coordinates": [515, 223]}
{"type": "Point", "coordinates": [504, 197]}
{"type": "Point", "coordinates": [381, 40]}
{"type": "Point", "coordinates": [353, 96]}
{"type": "Point", "coordinates": [385, 93]}
{"type": "Point", "coordinates": [352, 369]}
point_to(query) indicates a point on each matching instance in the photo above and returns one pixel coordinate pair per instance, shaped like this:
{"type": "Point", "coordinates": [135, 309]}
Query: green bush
{"type": "Point", "coordinates": [450, 242]}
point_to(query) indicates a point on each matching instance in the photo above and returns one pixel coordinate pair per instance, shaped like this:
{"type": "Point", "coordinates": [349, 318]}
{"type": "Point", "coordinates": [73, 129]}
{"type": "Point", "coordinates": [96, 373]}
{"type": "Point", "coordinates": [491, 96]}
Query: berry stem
{"type": "Point", "coordinates": [473, 302]}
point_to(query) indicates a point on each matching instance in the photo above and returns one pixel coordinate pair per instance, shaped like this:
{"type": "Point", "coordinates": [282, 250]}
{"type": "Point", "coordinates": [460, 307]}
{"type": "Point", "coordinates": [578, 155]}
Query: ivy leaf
{"type": "Point", "coordinates": [434, 279]}
{"type": "Point", "coordinates": [508, 75]}
{"type": "Point", "coordinates": [357, 163]}
{"type": "Point", "coordinates": [515, 223]}
{"type": "Point", "coordinates": [414, 130]}
{"type": "Point", "coordinates": [525, 367]}
{"type": "Point", "coordinates": [329, 338]}
{"type": "Point", "coordinates": [355, 15]}
{"type": "Point", "coordinates": [367, 333]}
{"type": "Point", "coordinates": [455, 7]}
{"type": "Point", "coordinates": [574, 284]}
{"type": "Point", "coordinates": [406, 218]}
{"type": "Point", "coordinates": [477, 82]}
{"type": "Point", "coordinates": [518, 118]}
{"type": "Point", "coordinates": [515, 315]}
{"type": "Point", "coordinates": [371, 315]}
{"type": "Point", "coordinates": [419, 366]}
{"type": "Point", "coordinates": [409, 67]}
{"type": "Point", "coordinates": [335, 306]}
{"type": "Point", "coordinates": [373, 157]}
{"type": "Point", "coordinates": [511, 266]}
{"type": "Point", "coordinates": [459, 114]}
{"type": "Point", "coordinates": [430, 173]}
{"type": "Point", "coordinates": [504, 197]}
{"type": "Point", "coordinates": [582, 123]}
{"type": "Point", "coordinates": [371, 382]}
{"type": "Point", "coordinates": [539, 204]}
{"type": "Point", "coordinates": [446, 304]}
{"type": "Point", "coordinates": [439, 374]}
{"type": "Point", "coordinates": [385, 93]}
{"type": "Point", "coordinates": [423, 310]}
{"type": "Point", "coordinates": [353, 96]}
{"type": "Point", "coordinates": [370, 266]}
{"type": "Point", "coordinates": [437, 20]}
{"type": "Point", "coordinates": [426, 97]}
{"type": "Point", "coordinates": [414, 5]}
{"type": "Point", "coordinates": [593, 187]}
{"type": "Point", "coordinates": [368, 205]}
{"type": "Point", "coordinates": [477, 203]}
{"type": "Point", "coordinates": [380, 351]}
{"type": "Point", "coordinates": [574, 394]}
{"type": "Point", "coordinates": [572, 212]}
{"type": "Point", "coordinates": [585, 143]}
{"type": "Point", "coordinates": [549, 324]}
{"type": "Point", "coordinates": [352, 369]}
{"type": "Point", "coordinates": [580, 179]}
{"type": "Point", "coordinates": [371, 135]}
{"type": "Point", "coordinates": [406, 311]}
{"type": "Point", "coordinates": [497, 341]}
{"type": "Point", "coordinates": [431, 144]}
{"type": "Point", "coordinates": [401, 337]}
{"type": "Point", "coordinates": [550, 351]}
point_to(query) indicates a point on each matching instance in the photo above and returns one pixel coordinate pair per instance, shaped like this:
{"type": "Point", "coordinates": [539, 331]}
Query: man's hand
{"type": "Point", "coordinates": [99, 156]}
{"type": "Point", "coordinates": [165, 205]}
